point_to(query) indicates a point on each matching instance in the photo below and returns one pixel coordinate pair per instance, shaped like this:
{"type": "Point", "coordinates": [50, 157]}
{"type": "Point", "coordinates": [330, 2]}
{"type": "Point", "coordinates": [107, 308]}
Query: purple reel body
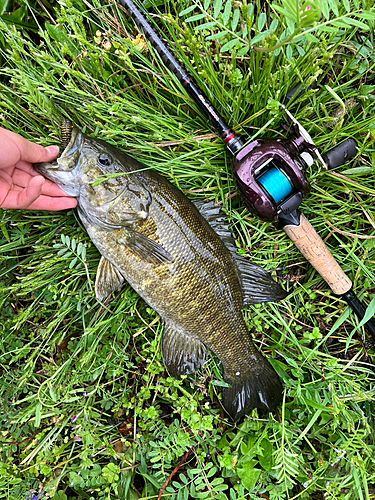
{"type": "Point", "coordinates": [270, 176]}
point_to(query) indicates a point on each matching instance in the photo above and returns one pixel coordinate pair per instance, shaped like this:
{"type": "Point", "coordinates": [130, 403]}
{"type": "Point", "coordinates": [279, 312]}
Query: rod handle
{"type": "Point", "coordinates": [310, 244]}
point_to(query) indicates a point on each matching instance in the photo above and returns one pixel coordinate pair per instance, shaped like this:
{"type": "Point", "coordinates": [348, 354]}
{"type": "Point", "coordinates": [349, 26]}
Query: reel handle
{"type": "Point", "coordinates": [298, 90]}
{"type": "Point", "coordinates": [340, 154]}
{"type": "Point", "coordinates": [313, 248]}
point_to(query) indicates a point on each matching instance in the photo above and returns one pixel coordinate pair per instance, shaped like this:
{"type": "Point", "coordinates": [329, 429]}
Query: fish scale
{"type": "Point", "coordinates": [151, 235]}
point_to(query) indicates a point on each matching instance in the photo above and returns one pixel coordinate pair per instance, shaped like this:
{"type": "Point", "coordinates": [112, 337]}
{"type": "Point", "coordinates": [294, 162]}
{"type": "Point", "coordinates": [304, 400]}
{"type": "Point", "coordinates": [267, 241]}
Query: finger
{"type": "Point", "coordinates": [51, 189]}
{"type": "Point", "coordinates": [22, 177]}
{"type": "Point", "coordinates": [28, 167]}
{"type": "Point", "coordinates": [18, 198]}
{"type": "Point", "coordinates": [10, 198]}
{"type": "Point", "coordinates": [5, 186]}
{"type": "Point", "coordinates": [15, 148]}
{"type": "Point", "coordinates": [30, 193]}
{"type": "Point", "coordinates": [53, 204]}
{"type": "Point", "coordinates": [34, 153]}
{"type": "Point", "coordinates": [41, 203]}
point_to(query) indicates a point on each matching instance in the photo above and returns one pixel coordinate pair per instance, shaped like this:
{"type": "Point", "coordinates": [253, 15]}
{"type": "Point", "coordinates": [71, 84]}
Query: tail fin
{"type": "Point", "coordinates": [258, 386]}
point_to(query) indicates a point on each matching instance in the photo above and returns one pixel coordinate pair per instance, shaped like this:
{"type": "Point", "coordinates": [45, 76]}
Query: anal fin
{"type": "Point", "coordinates": [182, 353]}
{"type": "Point", "coordinates": [108, 279]}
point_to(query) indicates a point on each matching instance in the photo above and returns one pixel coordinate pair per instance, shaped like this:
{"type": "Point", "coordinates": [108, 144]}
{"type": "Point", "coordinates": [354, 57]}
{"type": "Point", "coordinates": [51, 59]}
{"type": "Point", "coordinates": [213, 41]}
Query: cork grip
{"type": "Point", "coordinates": [310, 244]}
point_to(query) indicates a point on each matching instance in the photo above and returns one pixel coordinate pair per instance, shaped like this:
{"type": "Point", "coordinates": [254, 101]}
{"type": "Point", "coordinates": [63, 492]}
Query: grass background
{"type": "Point", "coordinates": [87, 409]}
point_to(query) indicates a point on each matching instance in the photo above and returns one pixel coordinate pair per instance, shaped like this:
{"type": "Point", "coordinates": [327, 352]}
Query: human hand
{"type": "Point", "coordinates": [21, 186]}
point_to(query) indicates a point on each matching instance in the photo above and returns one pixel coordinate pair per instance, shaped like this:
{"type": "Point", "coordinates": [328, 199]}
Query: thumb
{"type": "Point", "coordinates": [34, 153]}
{"type": "Point", "coordinates": [14, 148]}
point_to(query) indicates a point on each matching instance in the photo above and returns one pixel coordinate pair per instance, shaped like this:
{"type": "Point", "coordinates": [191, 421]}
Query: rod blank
{"type": "Point", "coordinates": [233, 142]}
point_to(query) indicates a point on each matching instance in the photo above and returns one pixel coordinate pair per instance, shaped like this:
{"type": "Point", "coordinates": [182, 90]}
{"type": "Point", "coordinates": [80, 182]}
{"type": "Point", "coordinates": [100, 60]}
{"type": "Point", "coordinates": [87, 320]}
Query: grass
{"type": "Point", "coordinates": [87, 409]}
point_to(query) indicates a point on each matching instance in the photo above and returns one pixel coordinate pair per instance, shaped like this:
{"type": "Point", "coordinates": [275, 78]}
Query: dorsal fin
{"type": "Point", "coordinates": [211, 213]}
{"type": "Point", "coordinates": [256, 283]}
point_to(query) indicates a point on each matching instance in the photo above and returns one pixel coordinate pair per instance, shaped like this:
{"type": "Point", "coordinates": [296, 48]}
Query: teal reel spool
{"type": "Point", "coordinates": [276, 184]}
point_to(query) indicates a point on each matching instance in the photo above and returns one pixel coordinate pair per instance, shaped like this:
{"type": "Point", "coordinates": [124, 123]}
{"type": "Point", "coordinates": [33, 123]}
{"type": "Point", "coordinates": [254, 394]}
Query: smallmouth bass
{"type": "Point", "coordinates": [180, 258]}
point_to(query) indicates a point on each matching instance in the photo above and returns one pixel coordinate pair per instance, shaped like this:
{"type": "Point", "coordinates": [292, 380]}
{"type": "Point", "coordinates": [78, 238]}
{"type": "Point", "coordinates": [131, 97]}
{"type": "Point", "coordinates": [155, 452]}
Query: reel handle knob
{"type": "Point", "coordinates": [298, 90]}
{"type": "Point", "coordinates": [340, 154]}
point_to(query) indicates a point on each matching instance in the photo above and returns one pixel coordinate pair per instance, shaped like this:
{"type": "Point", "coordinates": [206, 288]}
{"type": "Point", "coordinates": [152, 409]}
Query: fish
{"type": "Point", "coordinates": [180, 257]}
{"type": "Point", "coordinates": [66, 127]}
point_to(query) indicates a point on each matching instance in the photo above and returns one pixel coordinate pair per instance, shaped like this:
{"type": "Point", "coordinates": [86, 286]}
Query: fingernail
{"type": "Point", "coordinates": [52, 150]}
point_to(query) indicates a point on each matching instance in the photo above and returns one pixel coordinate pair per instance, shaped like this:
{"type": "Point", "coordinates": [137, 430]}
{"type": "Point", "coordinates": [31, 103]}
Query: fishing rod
{"type": "Point", "coordinates": [270, 173]}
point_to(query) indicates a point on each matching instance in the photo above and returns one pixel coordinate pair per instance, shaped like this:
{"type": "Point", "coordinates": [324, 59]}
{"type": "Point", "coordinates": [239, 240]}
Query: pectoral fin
{"type": "Point", "coordinates": [257, 285]}
{"type": "Point", "coordinates": [146, 249]}
{"type": "Point", "coordinates": [108, 279]}
{"type": "Point", "coordinates": [182, 353]}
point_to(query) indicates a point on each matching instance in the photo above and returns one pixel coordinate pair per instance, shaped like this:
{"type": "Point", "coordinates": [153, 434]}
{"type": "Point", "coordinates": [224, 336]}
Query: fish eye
{"type": "Point", "coordinates": [104, 160]}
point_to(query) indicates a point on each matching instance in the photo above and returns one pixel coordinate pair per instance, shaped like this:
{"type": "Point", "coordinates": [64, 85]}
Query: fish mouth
{"type": "Point", "coordinates": [63, 170]}
{"type": "Point", "coordinates": [69, 158]}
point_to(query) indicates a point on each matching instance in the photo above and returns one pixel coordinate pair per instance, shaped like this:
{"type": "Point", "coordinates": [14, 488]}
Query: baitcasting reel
{"type": "Point", "coordinates": [270, 173]}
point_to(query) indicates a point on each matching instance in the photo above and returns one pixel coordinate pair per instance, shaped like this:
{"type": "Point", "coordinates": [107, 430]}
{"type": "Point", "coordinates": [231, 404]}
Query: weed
{"type": "Point", "coordinates": [87, 408]}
